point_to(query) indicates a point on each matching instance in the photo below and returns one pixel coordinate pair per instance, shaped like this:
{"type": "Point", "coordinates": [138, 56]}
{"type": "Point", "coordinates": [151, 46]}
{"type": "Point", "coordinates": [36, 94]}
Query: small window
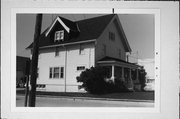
{"type": "Point", "coordinates": [80, 68]}
{"type": "Point", "coordinates": [56, 52]}
{"type": "Point", "coordinates": [111, 36]}
{"type": "Point", "coordinates": [81, 50]}
{"type": "Point", "coordinates": [59, 35]}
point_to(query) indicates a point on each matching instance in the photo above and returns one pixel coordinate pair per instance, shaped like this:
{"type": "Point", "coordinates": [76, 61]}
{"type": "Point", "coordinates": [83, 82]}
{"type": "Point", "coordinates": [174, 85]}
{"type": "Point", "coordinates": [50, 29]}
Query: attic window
{"type": "Point", "coordinates": [111, 36]}
{"type": "Point", "coordinates": [59, 35]}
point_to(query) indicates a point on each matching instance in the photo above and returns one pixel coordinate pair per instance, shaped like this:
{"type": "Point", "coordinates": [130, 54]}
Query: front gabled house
{"type": "Point", "coordinates": [67, 48]}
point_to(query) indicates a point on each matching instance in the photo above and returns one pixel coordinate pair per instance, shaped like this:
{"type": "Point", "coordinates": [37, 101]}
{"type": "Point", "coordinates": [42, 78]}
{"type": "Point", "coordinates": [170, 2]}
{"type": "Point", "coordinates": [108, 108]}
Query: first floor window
{"type": "Point", "coordinates": [56, 72]}
{"type": "Point", "coordinates": [80, 68]}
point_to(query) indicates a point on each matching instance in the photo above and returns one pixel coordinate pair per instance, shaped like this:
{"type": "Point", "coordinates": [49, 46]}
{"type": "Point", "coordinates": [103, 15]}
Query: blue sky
{"type": "Point", "coordinates": [139, 30]}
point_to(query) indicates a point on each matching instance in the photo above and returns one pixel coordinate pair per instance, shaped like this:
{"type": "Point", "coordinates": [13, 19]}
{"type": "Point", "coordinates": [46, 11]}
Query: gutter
{"type": "Point", "coordinates": [68, 43]}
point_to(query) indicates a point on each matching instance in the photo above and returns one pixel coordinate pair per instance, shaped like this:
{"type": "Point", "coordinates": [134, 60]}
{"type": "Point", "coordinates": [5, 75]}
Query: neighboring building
{"type": "Point", "coordinates": [22, 69]}
{"type": "Point", "coordinates": [149, 67]}
{"type": "Point", "coordinates": [67, 48]}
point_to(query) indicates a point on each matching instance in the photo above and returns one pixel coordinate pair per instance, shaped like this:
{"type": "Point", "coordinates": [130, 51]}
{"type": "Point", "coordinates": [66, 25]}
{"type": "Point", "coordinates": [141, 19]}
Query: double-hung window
{"type": "Point", "coordinates": [111, 36]}
{"type": "Point", "coordinates": [59, 35]}
{"type": "Point", "coordinates": [56, 72]}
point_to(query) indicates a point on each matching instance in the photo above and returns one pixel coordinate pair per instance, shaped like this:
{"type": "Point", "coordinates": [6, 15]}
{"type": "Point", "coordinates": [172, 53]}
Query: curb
{"type": "Point", "coordinates": [91, 98]}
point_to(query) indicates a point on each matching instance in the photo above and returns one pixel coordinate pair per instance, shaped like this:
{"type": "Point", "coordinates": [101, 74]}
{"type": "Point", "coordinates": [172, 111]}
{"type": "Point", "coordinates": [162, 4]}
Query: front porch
{"type": "Point", "coordinates": [121, 70]}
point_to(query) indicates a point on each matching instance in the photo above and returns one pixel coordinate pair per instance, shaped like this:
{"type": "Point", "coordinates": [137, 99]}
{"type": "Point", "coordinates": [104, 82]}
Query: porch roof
{"type": "Point", "coordinates": [108, 61]}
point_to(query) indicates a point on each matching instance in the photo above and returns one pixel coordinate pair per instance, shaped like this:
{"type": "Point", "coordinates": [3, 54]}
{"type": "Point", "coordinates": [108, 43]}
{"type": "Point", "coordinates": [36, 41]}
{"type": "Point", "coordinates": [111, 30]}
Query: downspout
{"type": "Point", "coordinates": [65, 67]}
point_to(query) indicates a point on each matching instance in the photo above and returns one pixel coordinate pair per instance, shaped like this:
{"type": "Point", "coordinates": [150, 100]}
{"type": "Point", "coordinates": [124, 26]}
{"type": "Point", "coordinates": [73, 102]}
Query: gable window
{"type": "Point", "coordinates": [59, 36]}
{"type": "Point", "coordinates": [80, 68]}
{"type": "Point", "coordinates": [81, 50]}
{"type": "Point", "coordinates": [111, 36]}
{"type": "Point", "coordinates": [56, 72]}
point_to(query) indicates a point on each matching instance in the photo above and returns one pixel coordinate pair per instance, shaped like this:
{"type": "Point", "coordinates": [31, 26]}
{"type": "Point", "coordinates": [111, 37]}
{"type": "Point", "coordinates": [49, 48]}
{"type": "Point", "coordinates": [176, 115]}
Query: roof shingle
{"type": "Point", "coordinates": [89, 29]}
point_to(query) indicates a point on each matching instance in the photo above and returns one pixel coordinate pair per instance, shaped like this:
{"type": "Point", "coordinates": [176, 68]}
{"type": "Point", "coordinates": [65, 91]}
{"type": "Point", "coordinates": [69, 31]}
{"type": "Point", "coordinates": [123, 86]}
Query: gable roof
{"type": "Point", "coordinates": [90, 29]}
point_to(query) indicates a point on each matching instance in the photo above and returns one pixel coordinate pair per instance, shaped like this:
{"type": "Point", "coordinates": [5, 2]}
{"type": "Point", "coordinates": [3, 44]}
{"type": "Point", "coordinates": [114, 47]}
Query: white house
{"type": "Point", "coordinates": [68, 47]}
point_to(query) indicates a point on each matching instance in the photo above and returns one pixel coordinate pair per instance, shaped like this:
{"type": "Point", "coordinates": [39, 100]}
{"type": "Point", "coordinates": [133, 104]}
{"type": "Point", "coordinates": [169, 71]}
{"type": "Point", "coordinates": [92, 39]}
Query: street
{"type": "Point", "coordinates": [53, 101]}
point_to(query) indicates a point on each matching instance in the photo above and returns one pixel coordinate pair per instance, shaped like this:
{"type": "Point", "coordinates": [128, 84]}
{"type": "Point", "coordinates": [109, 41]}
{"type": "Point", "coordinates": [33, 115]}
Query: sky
{"type": "Point", "coordinates": [138, 28]}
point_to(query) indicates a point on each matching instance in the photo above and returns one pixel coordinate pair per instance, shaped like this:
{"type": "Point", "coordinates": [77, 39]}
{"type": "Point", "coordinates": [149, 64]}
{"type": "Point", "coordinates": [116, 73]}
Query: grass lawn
{"type": "Point", "coordinates": [123, 95]}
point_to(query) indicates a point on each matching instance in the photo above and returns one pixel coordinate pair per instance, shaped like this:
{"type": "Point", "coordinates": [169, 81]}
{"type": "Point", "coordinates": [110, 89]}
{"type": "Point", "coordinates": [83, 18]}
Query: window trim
{"type": "Point", "coordinates": [51, 75]}
{"type": "Point", "coordinates": [61, 38]}
{"type": "Point", "coordinates": [79, 67]}
{"type": "Point", "coordinates": [112, 36]}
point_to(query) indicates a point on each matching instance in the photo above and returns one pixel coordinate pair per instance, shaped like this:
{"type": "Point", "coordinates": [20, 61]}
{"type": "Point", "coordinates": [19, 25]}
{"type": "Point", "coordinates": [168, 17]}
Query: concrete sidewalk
{"type": "Point", "coordinates": [56, 101]}
{"type": "Point", "coordinates": [92, 98]}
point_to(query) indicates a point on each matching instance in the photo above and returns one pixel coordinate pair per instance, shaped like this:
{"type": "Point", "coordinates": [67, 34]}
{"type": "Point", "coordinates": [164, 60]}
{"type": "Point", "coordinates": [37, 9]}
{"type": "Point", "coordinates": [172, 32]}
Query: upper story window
{"type": "Point", "coordinates": [57, 51]}
{"type": "Point", "coordinates": [59, 35]}
{"type": "Point", "coordinates": [81, 50]}
{"type": "Point", "coordinates": [111, 36]}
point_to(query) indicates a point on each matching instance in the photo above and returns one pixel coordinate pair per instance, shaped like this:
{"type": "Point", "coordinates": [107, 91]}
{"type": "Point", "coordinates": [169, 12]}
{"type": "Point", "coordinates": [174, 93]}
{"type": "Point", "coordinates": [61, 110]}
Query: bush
{"type": "Point", "coordinates": [120, 86]}
{"type": "Point", "coordinates": [93, 80]}
{"type": "Point", "coordinates": [142, 78]}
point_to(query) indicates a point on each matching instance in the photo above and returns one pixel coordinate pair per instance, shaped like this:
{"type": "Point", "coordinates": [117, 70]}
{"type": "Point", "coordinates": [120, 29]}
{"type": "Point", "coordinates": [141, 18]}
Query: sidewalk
{"type": "Point", "coordinates": [124, 96]}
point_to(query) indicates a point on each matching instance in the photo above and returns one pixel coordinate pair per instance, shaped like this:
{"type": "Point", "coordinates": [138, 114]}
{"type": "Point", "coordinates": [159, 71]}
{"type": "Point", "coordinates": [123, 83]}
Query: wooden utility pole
{"type": "Point", "coordinates": [34, 63]}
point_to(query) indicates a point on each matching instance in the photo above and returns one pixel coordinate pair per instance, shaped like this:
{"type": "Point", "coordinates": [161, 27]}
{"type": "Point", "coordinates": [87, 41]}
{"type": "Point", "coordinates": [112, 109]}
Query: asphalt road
{"type": "Point", "coordinates": [48, 101]}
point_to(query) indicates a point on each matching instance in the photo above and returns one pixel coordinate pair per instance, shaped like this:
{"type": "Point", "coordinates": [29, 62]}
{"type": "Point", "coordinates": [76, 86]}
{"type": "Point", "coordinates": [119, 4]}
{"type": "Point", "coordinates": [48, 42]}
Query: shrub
{"type": "Point", "coordinates": [120, 86]}
{"type": "Point", "coordinates": [142, 78]}
{"type": "Point", "coordinates": [93, 81]}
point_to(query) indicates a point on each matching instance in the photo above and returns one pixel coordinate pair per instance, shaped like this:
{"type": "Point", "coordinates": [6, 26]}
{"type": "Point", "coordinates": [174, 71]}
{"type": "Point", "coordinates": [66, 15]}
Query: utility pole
{"type": "Point", "coordinates": [34, 63]}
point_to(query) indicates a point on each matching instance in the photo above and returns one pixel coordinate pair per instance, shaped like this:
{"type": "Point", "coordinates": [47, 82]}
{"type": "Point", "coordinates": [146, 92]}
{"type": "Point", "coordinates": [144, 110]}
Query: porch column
{"type": "Point", "coordinates": [112, 77]}
{"type": "Point", "coordinates": [137, 75]}
{"type": "Point", "coordinates": [130, 73]}
{"type": "Point", "coordinates": [130, 76]}
{"type": "Point", "coordinates": [122, 73]}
